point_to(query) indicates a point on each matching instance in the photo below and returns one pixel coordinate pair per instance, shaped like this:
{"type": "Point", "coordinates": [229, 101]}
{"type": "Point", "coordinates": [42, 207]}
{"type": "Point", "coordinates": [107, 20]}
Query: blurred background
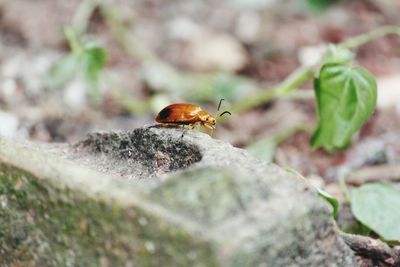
{"type": "Point", "coordinates": [72, 67]}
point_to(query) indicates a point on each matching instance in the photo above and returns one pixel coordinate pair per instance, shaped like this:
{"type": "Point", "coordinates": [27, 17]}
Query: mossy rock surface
{"type": "Point", "coordinates": [153, 198]}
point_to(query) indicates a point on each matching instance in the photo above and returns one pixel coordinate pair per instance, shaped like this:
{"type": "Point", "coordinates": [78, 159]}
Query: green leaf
{"type": "Point", "coordinates": [73, 40]}
{"type": "Point", "coordinates": [62, 71]}
{"type": "Point", "coordinates": [330, 199]}
{"type": "Point", "coordinates": [93, 61]}
{"type": "Point", "coordinates": [337, 54]}
{"type": "Point", "coordinates": [320, 5]}
{"type": "Point", "coordinates": [85, 58]}
{"type": "Point", "coordinates": [346, 97]}
{"type": "Point", "coordinates": [378, 207]}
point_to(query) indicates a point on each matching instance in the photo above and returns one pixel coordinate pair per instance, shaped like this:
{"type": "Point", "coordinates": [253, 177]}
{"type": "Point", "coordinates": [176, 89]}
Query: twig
{"type": "Point", "coordinates": [290, 84]}
{"type": "Point", "coordinates": [82, 15]}
{"type": "Point", "coordinates": [303, 73]}
{"type": "Point", "coordinates": [302, 94]}
{"type": "Point", "coordinates": [119, 29]}
{"type": "Point", "coordinates": [374, 173]}
{"type": "Point", "coordinates": [73, 41]}
{"type": "Point", "coordinates": [365, 38]}
{"type": "Point", "coordinates": [131, 104]}
{"type": "Point", "coordinates": [373, 249]}
{"type": "Point", "coordinates": [342, 184]}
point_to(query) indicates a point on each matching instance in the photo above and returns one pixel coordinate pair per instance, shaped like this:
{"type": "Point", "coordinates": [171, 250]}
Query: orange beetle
{"type": "Point", "coordinates": [188, 114]}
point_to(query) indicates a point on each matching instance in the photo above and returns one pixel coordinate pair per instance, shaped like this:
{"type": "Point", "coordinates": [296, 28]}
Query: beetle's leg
{"type": "Point", "coordinates": [185, 129]}
{"type": "Point", "coordinates": [197, 124]}
{"type": "Point", "coordinates": [190, 126]}
{"type": "Point", "coordinates": [210, 128]}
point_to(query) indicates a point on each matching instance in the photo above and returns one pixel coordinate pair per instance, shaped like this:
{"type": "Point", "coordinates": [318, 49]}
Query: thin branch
{"type": "Point", "coordinates": [365, 38]}
{"type": "Point", "coordinates": [127, 101]}
{"type": "Point", "coordinates": [378, 173]}
{"type": "Point", "coordinates": [120, 31]}
{"type": "Point", "coordinates": [82, 15]}
{"type": "Point", "coordinates": [303, 73]}
{"type": "Point", "coordinates": [343, 186]}
{"type": "Point", "coordinates": [290, 84]}
{"type": "Point", "coordinates": [373, 249]}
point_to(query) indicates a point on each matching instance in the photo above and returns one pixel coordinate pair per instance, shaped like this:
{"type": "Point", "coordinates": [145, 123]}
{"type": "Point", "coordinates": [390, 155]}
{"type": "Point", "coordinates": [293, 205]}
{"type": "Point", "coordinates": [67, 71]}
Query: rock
{"type": "Point", "coordinates": [75, 95]}
{"type": "Point", "coordinates": [388, 95]}
{"type": "Point", "coordinates": [8, 124]}
{"type": "Point", "coordinates": [29, 70]}
{"type": "Point", "coordinates": [182, 28]}
{"type": "Point", "coordinates": [254, 4]}
{"type": "Point", "coordinates": [153, 198]}
{"type": "Point", "coordinates": [208, 51]}
{"type": "Point", "coordinates": [310, 55]}
{"type": "Point", "coordinates": [248, 26]}
{"type": "Point", "coordinates": [8, 90]}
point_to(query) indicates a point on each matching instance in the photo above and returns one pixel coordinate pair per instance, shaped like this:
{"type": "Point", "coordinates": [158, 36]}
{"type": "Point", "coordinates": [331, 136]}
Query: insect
{"type": "Point", "coordinates": [188, 114]}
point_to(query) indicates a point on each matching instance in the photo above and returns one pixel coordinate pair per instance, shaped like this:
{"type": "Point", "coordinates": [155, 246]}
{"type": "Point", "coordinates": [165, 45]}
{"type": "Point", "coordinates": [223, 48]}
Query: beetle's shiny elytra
{"type": "Point", "coordinates": [187, 114]}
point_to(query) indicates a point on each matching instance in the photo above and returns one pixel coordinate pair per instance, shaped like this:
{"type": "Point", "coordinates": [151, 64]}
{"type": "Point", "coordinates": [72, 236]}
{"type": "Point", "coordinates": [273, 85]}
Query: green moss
{"type": "Point", "coordinates": [43, 225]}
{"type": "Point", "coordinates": [210, 195]}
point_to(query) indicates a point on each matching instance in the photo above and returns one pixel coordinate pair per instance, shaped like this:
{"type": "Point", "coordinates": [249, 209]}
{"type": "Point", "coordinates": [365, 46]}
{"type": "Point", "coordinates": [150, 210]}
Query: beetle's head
{"type": "Point", "coordinates": [208, 119]}
{"type": "Point", "coordinates": [211, 120]}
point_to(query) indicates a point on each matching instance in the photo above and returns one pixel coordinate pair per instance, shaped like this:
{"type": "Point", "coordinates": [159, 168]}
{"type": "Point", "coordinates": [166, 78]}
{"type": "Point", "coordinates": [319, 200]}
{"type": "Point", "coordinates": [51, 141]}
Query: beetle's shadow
{"type": "Point", "coordinates": [165, 125]}
{"type": "Point", "coordinates": [184, 127]}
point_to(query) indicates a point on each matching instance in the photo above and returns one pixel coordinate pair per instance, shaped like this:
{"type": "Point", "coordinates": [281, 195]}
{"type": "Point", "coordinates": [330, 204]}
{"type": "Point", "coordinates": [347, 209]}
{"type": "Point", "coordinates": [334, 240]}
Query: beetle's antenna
{"type": "Point", "coordinates": [220, 102]}
{"type": "Point", "coordinates": [225, 112]}
{"type": "Point", "coordinates": [219, 105]}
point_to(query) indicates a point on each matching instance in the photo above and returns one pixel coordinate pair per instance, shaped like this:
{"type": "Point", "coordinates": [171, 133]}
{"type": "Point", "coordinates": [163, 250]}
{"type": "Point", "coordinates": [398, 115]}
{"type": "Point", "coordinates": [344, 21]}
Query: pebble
{"type": "Point", "coordinates": [8, 124]}
{"type": "Point", "coordinates": [216, 52]}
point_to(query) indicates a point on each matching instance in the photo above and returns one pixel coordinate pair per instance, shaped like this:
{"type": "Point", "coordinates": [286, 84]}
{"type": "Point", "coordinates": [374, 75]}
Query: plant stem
{"type": "Point", "coordinates": [73, 41]}
{"type": "Point", "coordinates": [290, 84]}
{"type": "Point", "coordinates": [132, 105]}
{"type": "Point", "coordinates": [342, 184]}
{"type": "Point", "coordinates": [82, 15]}
{"type": "Point", "coordinates": [120, 30]}
{"type": "Point", "coordinates": [362, 39]}
{"type": "Point", "coordinates": [302, 74]}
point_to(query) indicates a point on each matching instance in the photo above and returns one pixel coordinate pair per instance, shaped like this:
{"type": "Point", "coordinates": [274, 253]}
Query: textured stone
{"type": "Point", "coordinates": [153, 198]}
